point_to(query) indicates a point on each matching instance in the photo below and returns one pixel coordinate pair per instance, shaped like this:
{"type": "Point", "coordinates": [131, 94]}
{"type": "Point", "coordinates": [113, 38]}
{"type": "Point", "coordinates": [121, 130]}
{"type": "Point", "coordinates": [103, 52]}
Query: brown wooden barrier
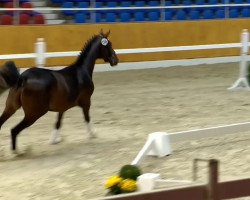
{"type": "Point", "coordinates": [210, 191]}
{"type": "Point", "coordinates": [21, 39]}
{"type": "Point", "coordinates": [192, 193]}
{"type": "Point", "coordinates": [234, 189]}
{"type": "Point", "coordinates": [227, 190]}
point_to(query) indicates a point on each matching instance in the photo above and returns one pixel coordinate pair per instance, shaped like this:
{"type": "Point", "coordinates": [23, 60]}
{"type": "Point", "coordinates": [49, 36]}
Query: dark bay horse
{"type": "Point", "coordinates": [39, 90]}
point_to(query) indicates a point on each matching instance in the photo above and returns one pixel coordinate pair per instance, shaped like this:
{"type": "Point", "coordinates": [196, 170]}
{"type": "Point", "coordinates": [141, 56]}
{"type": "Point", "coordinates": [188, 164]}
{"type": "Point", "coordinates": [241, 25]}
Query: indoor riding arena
{"type": "Point", "coordinates": [128, 105]}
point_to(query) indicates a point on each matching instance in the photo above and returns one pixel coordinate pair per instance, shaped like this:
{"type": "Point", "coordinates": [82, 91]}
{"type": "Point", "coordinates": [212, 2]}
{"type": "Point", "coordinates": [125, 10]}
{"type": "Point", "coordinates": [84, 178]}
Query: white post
{"type": "Point", "coordinates": [157, 144]}
{"type": "Point", "coordinates": [145, 149]}
{"type": "Point", "coordinates": [244, 52]}
{"type": "Point", "coordinates": [242, 82]}
{"type": "Point", "coordinates": [40, 49]}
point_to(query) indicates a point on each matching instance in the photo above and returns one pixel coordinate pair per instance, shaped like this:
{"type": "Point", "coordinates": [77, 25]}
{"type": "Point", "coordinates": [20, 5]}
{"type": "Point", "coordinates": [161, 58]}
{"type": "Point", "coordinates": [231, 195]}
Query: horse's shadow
{"type": "Point", "coordinates": [31, 153]}
{"type": "Point", "coordinates": [63, 149]}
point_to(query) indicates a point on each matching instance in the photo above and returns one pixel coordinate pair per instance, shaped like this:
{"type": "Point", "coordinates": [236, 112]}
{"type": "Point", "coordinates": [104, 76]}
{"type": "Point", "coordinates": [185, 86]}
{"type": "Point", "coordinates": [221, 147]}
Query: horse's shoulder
{"type": "Point", "coordinates": [84, 78]}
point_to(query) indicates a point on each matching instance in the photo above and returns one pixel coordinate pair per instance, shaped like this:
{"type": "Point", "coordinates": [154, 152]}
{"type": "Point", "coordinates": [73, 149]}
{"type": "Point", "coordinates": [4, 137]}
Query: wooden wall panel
{"type": "Point", "coordinates": [21, 39]}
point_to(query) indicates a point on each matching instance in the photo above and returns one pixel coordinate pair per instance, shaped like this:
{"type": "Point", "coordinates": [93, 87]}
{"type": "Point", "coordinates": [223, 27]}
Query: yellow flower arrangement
{"type": "Point", "coordinates": [125, 182]}
{"type": "Point", "coordinates": [128, 185]}
{"type": "Point", "coordinates": [113, 181]}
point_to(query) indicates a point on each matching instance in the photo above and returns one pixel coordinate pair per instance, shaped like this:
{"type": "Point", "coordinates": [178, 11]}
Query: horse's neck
{"type": "Point", "coordinates": [89, 64]}
{"type": "Point", "coordinates": [88, 61]}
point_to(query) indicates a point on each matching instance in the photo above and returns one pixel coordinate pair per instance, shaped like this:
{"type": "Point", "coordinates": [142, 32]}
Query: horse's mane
{"type": "Point", "coordinates": [86, 48]}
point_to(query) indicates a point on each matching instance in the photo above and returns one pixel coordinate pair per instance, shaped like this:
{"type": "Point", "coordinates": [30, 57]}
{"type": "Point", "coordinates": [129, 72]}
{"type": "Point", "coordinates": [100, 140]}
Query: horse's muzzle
{"type": "Point", "coordinates": [113, 60]}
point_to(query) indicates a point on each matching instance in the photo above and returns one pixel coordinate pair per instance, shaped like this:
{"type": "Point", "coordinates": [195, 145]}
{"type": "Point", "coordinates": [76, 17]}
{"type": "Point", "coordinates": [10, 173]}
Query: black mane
{"type": "Point", "coordinates": [86, 49]}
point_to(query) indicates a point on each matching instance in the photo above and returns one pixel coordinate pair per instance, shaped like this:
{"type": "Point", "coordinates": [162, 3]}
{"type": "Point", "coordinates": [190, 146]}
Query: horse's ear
{"type": "Point", "coordinates": [107, 34]}
{"type": "Point", "coordinates": [101, 32]}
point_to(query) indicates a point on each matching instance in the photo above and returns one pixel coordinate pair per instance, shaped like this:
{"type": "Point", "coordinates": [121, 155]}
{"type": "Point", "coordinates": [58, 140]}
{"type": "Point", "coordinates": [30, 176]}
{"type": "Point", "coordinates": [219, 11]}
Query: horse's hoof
{"type": "Point", "coordinates": [55, 141]}
{"type": "Point", "coordinates": [15, 152]}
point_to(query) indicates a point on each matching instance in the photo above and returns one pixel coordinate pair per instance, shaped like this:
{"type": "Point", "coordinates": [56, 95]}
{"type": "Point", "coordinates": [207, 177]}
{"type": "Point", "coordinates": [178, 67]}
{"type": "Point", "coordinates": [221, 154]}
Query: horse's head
{"type": "Point", "coordinates": [107, 53]}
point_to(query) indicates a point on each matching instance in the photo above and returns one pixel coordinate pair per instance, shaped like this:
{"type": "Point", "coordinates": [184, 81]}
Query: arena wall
{"type": "Point", "coordinates": [21, 39]}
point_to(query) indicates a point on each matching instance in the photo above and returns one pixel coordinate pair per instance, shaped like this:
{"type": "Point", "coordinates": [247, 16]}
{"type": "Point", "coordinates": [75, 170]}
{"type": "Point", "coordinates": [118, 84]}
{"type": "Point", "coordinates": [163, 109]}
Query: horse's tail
{"type": "Point", "coordinates": [9, 75]}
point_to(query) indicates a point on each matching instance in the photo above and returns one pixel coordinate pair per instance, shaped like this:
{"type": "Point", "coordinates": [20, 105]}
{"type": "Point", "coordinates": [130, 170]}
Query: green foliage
{"type": "Point", "coordinates": [115, 190]}
{"type": "Point", "coordinates": [130, 172]}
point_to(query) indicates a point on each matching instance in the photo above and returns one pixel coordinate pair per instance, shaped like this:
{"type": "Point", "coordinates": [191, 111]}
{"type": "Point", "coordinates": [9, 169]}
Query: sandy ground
{"type": "Point", "coordinates": [126, 107]}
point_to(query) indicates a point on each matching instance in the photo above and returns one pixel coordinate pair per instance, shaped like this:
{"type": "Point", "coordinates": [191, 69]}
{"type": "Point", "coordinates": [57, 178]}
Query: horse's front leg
{"type": "Point", "coordinates": [56, 137]}
{"type": "Point", "coordinates": [85, 109]}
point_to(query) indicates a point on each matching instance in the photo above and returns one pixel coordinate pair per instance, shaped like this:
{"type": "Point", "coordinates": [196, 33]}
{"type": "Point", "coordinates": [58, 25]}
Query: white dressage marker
{"type": "Point", "coordinates": [158, 143]}
{"type": "Point", "coordinates": [150, 181]}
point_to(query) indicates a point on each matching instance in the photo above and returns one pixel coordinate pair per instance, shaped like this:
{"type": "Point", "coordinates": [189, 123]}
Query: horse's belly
{"type": "Point", "coordinates": [61, 104]}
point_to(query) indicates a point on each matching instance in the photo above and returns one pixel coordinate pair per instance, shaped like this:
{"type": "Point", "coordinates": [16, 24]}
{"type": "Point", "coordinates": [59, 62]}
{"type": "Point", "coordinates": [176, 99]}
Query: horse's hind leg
{"type": "Point", "coordinates": [17, 129]}
{"type": "Point", "coordinates": [7, 113]}
{"type": "Point", "coordinates": [56, 138]}
{"type": "Point", "coordinates": [27, 121]}
{"type": "Point", "coordinates": [34, 105]}
{"type": "Point", "coordinates": [12, 105]}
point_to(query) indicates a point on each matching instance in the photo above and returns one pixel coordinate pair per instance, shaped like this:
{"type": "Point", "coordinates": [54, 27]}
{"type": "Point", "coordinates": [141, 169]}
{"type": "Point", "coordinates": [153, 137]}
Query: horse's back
{"type": "Point", "coordinates": [37, 78]}
{"type": "Point", "coordinates": [56, 90]}
{"type": "Point", "coordinates": [35, 85]}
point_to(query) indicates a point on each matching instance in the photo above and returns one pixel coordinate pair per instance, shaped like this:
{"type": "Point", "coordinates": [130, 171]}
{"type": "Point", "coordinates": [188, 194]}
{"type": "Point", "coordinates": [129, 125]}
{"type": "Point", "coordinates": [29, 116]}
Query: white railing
{"type": "Point", "coordinates": [41, 55]}
{"type": "Point", "coordinates": [125, 8]}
